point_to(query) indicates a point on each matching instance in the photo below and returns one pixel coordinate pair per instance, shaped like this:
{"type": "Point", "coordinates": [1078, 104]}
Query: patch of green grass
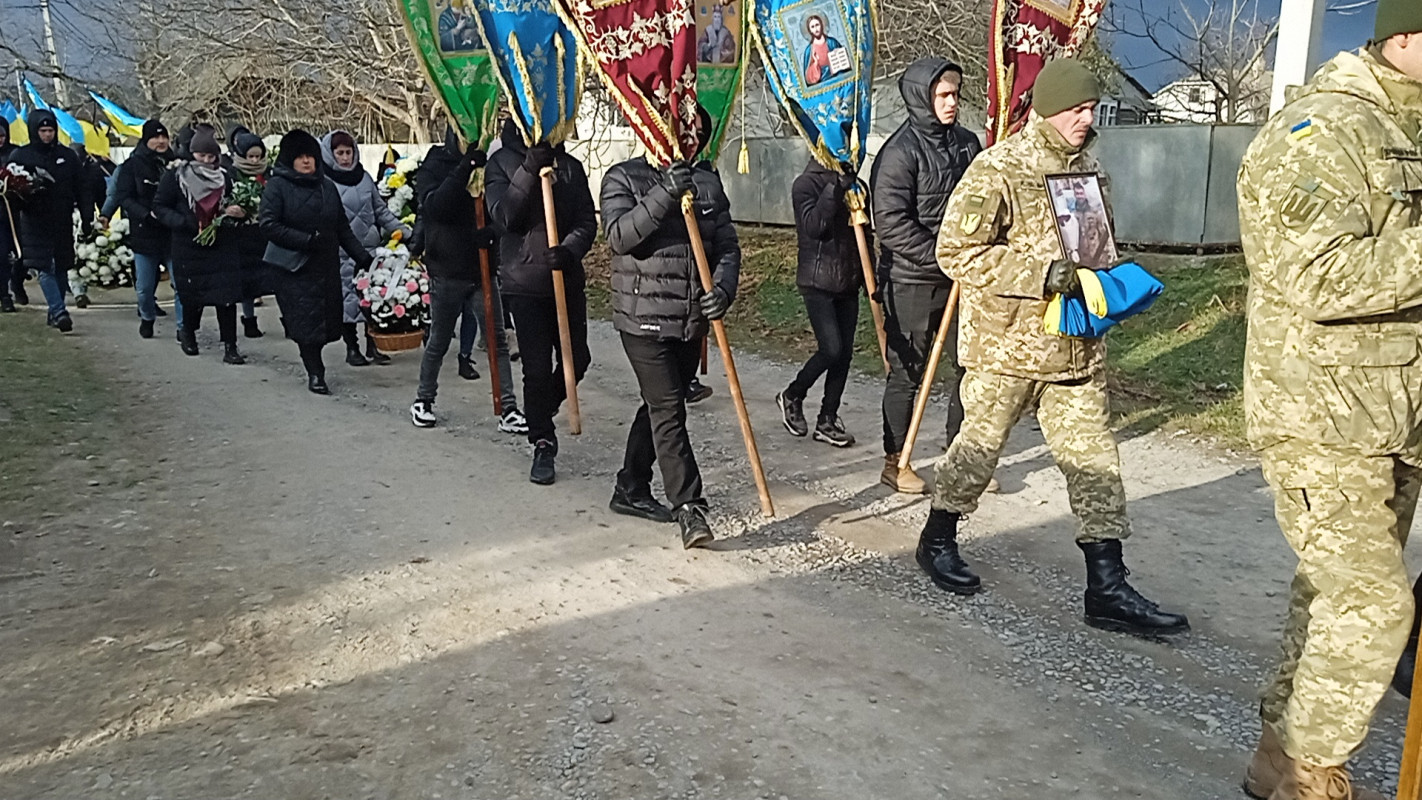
{"type": "Point", "coordinates": [52, 396]}
{"type": "Point", "coordinates": [1178, 366]}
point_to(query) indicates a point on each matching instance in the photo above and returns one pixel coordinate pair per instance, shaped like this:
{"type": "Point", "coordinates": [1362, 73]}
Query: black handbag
{"type": "Point", "coordinates": [284, 258]}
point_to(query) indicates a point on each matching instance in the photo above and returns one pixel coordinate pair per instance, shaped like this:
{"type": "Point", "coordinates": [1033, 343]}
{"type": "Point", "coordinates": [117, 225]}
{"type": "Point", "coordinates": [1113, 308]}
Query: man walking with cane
{"type": "Point", "coordinates": [999, 242]}
{"type": "Point", "coordinates": [913, 176]}
{"type": "Point", "coordinates": [1329, 205]}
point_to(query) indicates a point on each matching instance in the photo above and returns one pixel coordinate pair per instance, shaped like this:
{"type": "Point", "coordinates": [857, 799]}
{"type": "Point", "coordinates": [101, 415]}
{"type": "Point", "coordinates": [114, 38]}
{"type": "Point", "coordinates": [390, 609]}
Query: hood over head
{"type": "Point", "coordinates": [42, 118]}
{"type": "Point", "coordinates": [917, 85]}
{"type": "Point", "coordinates": [329, 142]}
{"type": "Point", "coordinates": [240, 140]}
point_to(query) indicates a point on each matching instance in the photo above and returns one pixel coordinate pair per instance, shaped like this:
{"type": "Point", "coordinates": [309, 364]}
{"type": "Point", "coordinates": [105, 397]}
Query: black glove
{"type": "Point", "coordinates": [846, 177]}
{"type": "Point", "coordinates": [677, 178]}
{"type": "Point", "coordinates": [539, 156]}
{"type": "Point", "coordinates": [484, 237]}
{"type": "Point", "coordinates": [477, 158]}
{"type": "Point", "coordinates": [316, 240]}
{"type": "Point", "coordinates": [365, 263]}
{"type": "Point", "coordinates": [1061, 277]}
{"type": "Point", "coordinates": [559, 258]}
{"type": "Point", "coordinates": [715, 303]}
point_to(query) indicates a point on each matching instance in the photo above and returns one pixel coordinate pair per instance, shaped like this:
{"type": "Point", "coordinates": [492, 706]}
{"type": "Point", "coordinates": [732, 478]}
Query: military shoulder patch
{"type": "Point", "coordinates": [972, 219]}
{"type": "Point", "coordinates": [1302, 131]}
{"type": "Point", "coordinates": [1303, 202]}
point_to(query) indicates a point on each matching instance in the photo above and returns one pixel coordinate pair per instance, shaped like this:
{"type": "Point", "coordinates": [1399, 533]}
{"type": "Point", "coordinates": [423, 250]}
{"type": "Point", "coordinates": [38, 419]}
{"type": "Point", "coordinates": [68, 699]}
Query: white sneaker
{"type": "Point", "coordinates": [422, 414]}
{"type": "Point", "coordinates": [512, 421]}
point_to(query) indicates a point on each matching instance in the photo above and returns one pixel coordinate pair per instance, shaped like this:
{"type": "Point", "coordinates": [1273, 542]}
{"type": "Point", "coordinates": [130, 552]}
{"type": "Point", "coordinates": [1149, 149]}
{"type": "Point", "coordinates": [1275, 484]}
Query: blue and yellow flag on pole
{"type": "Point", "coordinates": [124, 123]}
{"type": "Point", "coordinates": [446, 40]}
{"type": "Point", "coordinates": [820, 63]}
{"type": "Point", "coordinates": [537, 61]}
{"type": "Point", "coordinates": [35, 99]}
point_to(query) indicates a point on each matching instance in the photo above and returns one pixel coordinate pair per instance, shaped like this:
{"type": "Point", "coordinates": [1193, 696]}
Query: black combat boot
{"type": "Point", "coordinates": [188, 340]}
{"type": "Point", "coordinates": [230, 354]}
{"type": "Point", "coordinates": [353, 356]}
{"type": "Point", "coordinates": [1114, 605]}
{"type": "Point", "coordinates": [250, 329]}
{"type": "Point", "coordinates": [938, 555]}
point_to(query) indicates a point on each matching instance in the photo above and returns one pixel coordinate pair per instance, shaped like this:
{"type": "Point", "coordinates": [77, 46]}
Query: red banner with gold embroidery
{"type": "Point", "coordinates": [645, 51]}
{"type": "Point", "coordinates": [1025, 35]}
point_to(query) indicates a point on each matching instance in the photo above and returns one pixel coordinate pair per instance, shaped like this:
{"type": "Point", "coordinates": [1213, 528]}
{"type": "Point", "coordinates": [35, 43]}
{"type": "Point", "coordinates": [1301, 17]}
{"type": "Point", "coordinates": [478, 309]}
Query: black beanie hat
{"type": "Point", "coordinates": [153, 128]}
{"type": "Point", "coordinates": [1064, 83]}
{"type": "Point", "coordinates": [1397, 16]}
{"type": "Point", "coordinates": [205, 141]}
{"type": "Point", "coordinates": [298, 143]}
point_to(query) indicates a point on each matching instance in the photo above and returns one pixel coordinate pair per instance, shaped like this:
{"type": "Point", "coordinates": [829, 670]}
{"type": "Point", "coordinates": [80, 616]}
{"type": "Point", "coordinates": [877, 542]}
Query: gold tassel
{"type": "Point", "coordinates": [743, 160]}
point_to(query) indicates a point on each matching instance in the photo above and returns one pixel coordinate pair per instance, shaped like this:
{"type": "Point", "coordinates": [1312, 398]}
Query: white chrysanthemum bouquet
{"type": "Point", "coordinates": [395, 291]}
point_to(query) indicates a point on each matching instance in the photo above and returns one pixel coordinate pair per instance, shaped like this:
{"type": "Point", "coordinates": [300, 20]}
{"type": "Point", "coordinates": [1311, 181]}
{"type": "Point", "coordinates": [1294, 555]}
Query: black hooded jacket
{"type": "Point", "coordinates": [6, 243]}
{"type": "Point", "coordinates": [515, 198]}
{"type": "Point", "coordinates": [447, 213]}
{"type": "Point", "coordinates": [655, 281]}
{"type": "Point", "coordinates": [46, 224]}
{"type": "Point", "coordinates": [136, 187]}
{"type": "Point", "coordinates": [828, 253]}
{"type": "Point", "coordinates": [914, 174]}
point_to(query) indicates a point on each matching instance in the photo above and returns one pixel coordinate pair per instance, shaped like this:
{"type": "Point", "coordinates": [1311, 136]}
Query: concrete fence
{"type": "Point", "coordinates": [1171, 184]}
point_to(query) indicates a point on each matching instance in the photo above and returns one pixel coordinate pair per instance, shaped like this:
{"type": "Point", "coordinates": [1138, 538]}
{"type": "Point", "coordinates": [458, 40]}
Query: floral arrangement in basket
{"type": "Point", "coordinates": [398, 191]}
{"type": "Point", "coordinates": [101, 258]}
{"type": "Point", "coordinates": [395, 291]}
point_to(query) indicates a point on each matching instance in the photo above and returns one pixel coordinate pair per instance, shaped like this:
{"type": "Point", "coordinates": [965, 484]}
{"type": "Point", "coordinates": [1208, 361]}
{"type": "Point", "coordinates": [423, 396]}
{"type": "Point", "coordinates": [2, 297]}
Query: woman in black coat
{"type": "Point", "coordinates": [190, 197]}
{"type": "Point", "coordinates": [248, 163]}
{"type": "Point", "coordinates": [303, 218]}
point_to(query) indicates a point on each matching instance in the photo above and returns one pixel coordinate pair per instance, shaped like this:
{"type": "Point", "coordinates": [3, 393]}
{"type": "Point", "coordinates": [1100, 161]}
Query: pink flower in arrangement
{"type": "Point", "coordinates": [364, 303]}
{"type": "Point", "coordinates": [363, 284]}
{"type": "Point", "coordinates": [425, 298]}
{"type": "Point", "coordinates": [412, 286]}
{"type": "Point", "coordinates": [385, 291]}
{"type": "Point", "coordinates": [399, 311]}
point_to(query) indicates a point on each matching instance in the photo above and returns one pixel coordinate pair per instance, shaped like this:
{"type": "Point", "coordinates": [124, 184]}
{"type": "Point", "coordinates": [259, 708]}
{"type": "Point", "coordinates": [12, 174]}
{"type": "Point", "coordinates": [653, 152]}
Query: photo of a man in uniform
{"type": "Point", "coordinates": [1080, 211]}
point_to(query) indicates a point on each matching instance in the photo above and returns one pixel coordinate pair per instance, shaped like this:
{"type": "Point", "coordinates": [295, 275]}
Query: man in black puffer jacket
{"type": "Point", "coordinates": [661, 313]}
{"type": "Point", "coordinates": [513, 188]}
{"type": "Point", "coordinates": [914, 173]}
{"type": "Point", "coordinates": [135, 187]}
{"type": "Point", "coordinates": [828, 275]}
{"type": "Point", "coordinates": [46, 224]}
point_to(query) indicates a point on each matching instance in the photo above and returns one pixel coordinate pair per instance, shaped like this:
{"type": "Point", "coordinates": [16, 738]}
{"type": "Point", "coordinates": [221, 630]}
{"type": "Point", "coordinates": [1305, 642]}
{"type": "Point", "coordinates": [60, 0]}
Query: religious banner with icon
{"type": "Point", "coordinates": [821, 68]}
{"type": "Point", "coordinates": [1025, 35]}
{"type": "Point", "coordinates": [537, 61]}
{"type": "Point", "coordinates": [720, 63]}
{"type": "Point", "coordinates": [447, 43]}
{"type": "Point", "coordinates": [645, 52]}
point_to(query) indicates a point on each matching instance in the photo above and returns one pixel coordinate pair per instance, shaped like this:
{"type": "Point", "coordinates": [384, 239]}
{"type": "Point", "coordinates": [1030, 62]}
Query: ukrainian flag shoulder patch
{"type": "Point", "coordinates": [1302, 131]}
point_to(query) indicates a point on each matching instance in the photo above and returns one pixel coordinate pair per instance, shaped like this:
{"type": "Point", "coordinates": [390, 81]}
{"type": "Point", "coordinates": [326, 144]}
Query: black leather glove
{"type": "Point", "coordinates": [715, 303]}
{"type": "Point", "coordinates": [846, 177]}
{"type": "Point", "coordinates": [559, 258]}
{"type": "Point", "coordinates": [677, 178]}
{"type": "Point", "coordinates": [539, 156]}
{"type": "Point", "coordinates": [484, 238]}
{"type": "Point", "coordinates": [1061, 277]}
{"type": "Point", "coordinates": [477, 158]}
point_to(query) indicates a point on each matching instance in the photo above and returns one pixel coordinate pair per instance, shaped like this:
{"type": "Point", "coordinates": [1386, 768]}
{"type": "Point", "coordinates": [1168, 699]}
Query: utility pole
{"type": "Point", "coordinates": [1300, 33]}
{"type": "Point", "coordinates": [60, 90]}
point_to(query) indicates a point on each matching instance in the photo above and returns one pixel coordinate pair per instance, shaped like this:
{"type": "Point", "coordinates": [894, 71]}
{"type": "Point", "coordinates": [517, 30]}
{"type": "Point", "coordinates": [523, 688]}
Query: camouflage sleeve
{"type": "Point", "coordinates": [973, 244]}
{"type": "Point", "coordinates": [1316, 192]}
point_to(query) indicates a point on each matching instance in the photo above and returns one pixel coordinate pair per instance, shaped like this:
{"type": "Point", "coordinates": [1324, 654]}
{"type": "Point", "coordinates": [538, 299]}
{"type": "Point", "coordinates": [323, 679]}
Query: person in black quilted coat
{"type": "Point", "coordinates": [301, 210]}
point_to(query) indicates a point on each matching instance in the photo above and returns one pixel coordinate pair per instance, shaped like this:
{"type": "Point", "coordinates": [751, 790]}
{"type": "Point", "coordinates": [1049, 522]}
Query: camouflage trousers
{"type": "Point", "coordinates": [1074, 418]}
{"type": "Point", "coordinates": [1350, 606]}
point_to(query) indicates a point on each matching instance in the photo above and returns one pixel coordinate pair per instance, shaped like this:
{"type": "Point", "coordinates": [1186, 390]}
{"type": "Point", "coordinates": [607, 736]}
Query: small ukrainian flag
{"type": "Point", "coordinates": [1301, 131]}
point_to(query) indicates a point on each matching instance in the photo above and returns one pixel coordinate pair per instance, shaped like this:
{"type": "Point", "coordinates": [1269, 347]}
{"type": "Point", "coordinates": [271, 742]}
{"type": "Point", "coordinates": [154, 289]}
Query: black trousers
{"type": "Point", "coordinates": [664, 367]}
{"type": "Point", "coordinates": [536, 319]}
{"type": "Point", "coordinates": [226, 320]}
{"type": "Point", "coordinates": [833, 318]}
{"type": "Point", "coordinates": [310, 356]}
{"type": "Point", "coordinates": [912, 314]}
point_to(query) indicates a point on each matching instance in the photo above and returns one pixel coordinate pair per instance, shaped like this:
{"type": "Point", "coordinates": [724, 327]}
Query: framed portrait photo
{"type": "Point", "coordinates": [1083, 224]}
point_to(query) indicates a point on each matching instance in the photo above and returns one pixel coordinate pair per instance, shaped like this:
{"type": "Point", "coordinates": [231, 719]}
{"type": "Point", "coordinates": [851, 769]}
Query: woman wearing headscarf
{"type": "Point", "coordinates": [248, 167]}
{"type": "Point", "coordinates": [304, 220]}
{"type": "Point", "coordinates": [371, 221]}
{"type": "Point", "coordinates": [192, 199]}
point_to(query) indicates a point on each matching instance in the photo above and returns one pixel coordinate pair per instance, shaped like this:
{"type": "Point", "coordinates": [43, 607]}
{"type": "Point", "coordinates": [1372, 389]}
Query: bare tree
{"type": "Point", "coordinates": [1224, 43]}
{"type": "Point", "coordinates": [953, 29]}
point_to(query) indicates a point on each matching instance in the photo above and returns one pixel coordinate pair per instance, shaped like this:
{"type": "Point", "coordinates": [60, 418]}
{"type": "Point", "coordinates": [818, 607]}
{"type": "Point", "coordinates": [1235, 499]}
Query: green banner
{"type": "Point", "coordinates": [721, 55]}
{"type": "Point", "coordinates": [445, 37]}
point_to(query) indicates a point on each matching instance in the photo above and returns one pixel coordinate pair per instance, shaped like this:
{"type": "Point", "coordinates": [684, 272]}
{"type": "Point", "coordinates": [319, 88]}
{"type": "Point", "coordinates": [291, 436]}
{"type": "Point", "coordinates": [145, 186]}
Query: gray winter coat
{"type": "Point", "coordinates": [371, 219]}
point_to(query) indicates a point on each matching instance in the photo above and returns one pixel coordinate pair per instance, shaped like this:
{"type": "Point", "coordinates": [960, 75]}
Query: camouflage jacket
{"type": "Point", "coordinates": [1330, 202]}
{"type": "Point", "coordinates": [998, 238]}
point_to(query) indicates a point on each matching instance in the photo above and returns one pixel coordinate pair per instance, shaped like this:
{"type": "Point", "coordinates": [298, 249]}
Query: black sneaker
{"type": "Point", "coordinates": [638, 502]}
{"type": "Point", "coordinates": [422, 414]}
{"type": "Point", "coordinates": [82, 301]}
{"type": "Point", "coordinates": [22, 297]}
{"type": "Point", "coordinates": [64, 323]}
{"type": "Point", "coordinates": [466, 369]}
{"type": "Point", "coordinates": [543, 454]}
{"type": "Point", "coordinates": [696, 391]}
{"type": "Point", "coordinates": [695, 530]}
{"type": "Point", "coordinates": [145, 329]}
{"type": "Point", "coordinates": [159, 312]}
{"type": "Point", "coordinates": [830, 430]}
{"type": "Point", "coordinates": [792, 414]}
{"type": "Point", "coordinates": [7, 306]}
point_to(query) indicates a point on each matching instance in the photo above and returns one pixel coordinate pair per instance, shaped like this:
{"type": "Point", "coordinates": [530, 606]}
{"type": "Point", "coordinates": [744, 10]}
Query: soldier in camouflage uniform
{"type": "Point", "coordinates": [1330, 205]}
{"type": "Point", "coordinates": [999, 241]}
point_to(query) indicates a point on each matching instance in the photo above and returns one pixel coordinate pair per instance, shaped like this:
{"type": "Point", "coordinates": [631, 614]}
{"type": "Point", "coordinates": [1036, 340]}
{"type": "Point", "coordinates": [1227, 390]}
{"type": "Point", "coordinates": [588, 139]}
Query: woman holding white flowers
{"type": "Point", "coordinates": [249, 171]}
{"type": "Point", "coordinates": [371, 221]}
{"type": "Point", "coordinates": [193, 201]}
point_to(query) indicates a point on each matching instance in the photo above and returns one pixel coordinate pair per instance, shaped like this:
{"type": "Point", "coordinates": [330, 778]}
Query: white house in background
{"type": "Point", "coordinates": [1196, 100]}
{"type": "Point", "coordinates": [1129, 104]}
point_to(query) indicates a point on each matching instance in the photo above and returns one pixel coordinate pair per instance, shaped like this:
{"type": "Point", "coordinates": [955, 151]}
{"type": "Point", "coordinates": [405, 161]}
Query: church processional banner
{"type": "Point", "coordinates": [1025, 35]}
{"type": "Point", "coordinates": [537, 61]}
{"type": "Point", "coordinates": [446, 40]}
{"type": "Point", "coordinates": [721, 55]}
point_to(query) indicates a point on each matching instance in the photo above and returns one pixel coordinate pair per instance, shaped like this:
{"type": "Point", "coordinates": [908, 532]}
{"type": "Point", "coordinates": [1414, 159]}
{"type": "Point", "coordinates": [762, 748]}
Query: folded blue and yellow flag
{"type": "Point", "coordinates": [1107, 298]}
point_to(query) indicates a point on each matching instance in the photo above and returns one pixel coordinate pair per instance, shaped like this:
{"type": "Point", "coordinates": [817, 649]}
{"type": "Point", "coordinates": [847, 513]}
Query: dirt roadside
{"type": "Point", "coordinates": [256, 592]}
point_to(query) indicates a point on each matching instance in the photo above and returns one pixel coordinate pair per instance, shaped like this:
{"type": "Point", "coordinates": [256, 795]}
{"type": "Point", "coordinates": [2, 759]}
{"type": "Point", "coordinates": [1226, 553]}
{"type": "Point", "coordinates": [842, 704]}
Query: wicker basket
{"type": "Point", "coordinates": [395, 342]}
